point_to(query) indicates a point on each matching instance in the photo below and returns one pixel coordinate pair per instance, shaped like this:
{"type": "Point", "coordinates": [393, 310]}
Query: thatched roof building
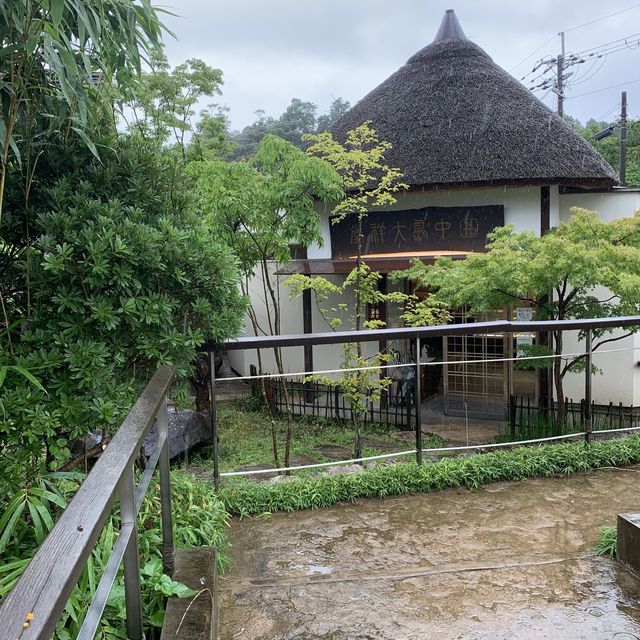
{"type": "Point", "coordinates": [456, 118]}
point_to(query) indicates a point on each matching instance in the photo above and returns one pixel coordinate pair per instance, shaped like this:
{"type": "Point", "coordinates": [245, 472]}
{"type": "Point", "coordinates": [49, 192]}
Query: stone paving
{"type": "Point", "coordinates": [512, 560]}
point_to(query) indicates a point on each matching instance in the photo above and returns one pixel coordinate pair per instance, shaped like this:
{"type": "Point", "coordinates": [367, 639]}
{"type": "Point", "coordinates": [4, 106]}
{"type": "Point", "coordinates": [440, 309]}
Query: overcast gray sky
{"type": "Point", "coordinates": [273, 51]}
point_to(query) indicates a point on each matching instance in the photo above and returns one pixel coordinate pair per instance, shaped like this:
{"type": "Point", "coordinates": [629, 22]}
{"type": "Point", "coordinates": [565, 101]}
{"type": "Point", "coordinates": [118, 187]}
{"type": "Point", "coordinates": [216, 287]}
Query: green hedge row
{"type": "Point", "coordinates": [399, 478]}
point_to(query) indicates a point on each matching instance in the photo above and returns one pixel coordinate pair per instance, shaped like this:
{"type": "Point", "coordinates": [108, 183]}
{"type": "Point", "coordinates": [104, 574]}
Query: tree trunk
{"type": "Point", "coordinates": [358, 441]}
{"type": "Point", "coordinates": [200, 381]}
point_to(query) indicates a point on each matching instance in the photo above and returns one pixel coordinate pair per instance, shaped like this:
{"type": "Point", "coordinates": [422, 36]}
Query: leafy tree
{"type": "Point", "coordinates": [246, 142]}
{"type": "Point", "coordinates": [51, 51]}
{"type": "Point", "coordinates": [211, 135]}
{"type": "Point", "coordinates": [336, 110]}
{"type": "Point", "coordinates": [259, 208]}
{"type": "Point", "coordinates": [574, 261]}
{"type": "Point", "coordinates": [165, 102]}
{"type": "Point", "coordinates": [120, 281]}
{"type": "Point", "coordinates": [609, 147]}
{"type": "Point", "coordinates": [368, 183]}
{"type": "Point", "coordinates": [298, 119]}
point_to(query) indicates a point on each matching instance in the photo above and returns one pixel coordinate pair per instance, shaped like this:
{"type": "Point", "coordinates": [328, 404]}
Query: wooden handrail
{"type": "Point", "coordinates": [44, 588]}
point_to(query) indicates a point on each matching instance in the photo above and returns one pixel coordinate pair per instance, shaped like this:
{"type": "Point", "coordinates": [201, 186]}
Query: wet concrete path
{"type": "Point", "coordinates": [512, 560]}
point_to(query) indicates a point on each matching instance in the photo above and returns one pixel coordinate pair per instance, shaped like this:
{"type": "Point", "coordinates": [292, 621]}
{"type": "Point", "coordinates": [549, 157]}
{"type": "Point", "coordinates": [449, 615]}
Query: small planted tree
{"type": "Point", "coordinates": [360, 380]}
{"type": "Point", "coordinates": [368, 183]}
{"type": "Point", "coordinates": [591, 267]}
{"type": "Point", "coordinates": [260, 208]}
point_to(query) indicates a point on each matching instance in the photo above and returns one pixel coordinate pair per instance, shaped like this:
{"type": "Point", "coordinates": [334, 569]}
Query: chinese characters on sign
{"type": "Point", "coordinates": [415, 230]}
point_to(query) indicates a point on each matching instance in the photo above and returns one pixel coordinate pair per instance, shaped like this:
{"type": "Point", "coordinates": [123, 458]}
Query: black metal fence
{"type": "Point", "coordinates": [523, 411]}
{"type": "Point", "coordinates": [396, 406]}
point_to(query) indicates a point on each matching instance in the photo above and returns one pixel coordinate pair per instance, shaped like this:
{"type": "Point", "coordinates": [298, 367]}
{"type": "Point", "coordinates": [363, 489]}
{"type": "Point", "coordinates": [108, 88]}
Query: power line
{"type": "Point", "coordinates": [533, 53]}
{"type": "Point", "coordinates": [610, 15]}
{"type": "Point", "coordinates": [589, 74]}
{"type": "Point", "coordinates": [604, 115]}
{"type": "Point", "coordinates": [606, 44]}
{"type": "Point", "coordinates": [585, 24]}
{"type": "Point", "coordinates": [613, 86]}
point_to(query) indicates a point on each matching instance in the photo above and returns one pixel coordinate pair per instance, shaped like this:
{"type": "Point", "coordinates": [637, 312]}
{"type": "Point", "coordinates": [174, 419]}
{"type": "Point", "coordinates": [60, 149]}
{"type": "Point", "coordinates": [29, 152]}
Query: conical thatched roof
{"type": "Point", "coordinates": [454, 117]}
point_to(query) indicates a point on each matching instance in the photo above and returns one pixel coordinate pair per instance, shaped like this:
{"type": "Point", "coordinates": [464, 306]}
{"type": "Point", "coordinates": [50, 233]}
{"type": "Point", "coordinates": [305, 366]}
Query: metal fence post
{"type": "Point", "coordinates": [214, 421]}
{"type": "Point", "coordinates": [588, 424]}
{"type": "Point", "coordinates": [418, 398]}
{"type": "Point", "coordinates": [165, 492]}
{"type": "Point", "coordinates": [131, 559]}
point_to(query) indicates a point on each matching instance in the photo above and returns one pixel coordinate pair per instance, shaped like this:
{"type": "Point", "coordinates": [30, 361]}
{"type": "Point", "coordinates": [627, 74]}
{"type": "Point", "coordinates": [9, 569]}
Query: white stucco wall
{"type": "Point", "coordinates": [620, 381]}
{"type": "Point", "coordinates": [610, 205]}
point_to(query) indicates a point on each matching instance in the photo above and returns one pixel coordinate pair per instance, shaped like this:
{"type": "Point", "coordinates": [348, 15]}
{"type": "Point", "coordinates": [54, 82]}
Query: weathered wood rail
{"type": "Point", "coordinates": [39, 597]}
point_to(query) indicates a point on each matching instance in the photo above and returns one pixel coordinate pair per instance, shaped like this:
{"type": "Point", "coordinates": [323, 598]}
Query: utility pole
{"type": "Point", "coordinates": [560, 72]}
{"type": "Point", "coordinates": [623, 138]}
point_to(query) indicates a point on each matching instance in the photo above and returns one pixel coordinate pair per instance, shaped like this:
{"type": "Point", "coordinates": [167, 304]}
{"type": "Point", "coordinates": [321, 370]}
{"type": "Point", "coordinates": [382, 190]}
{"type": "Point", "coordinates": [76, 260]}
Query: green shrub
{"type": "Point", "coordinates": [200, 519]}
{"type": "Point", "coordinates": [407, 477]}
{"type": "Point", "coordinates": [607, 543]}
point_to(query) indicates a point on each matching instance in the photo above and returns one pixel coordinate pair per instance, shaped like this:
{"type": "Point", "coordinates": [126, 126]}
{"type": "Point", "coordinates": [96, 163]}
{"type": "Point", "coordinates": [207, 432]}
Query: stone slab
{"type": "Point", "coordinates": [511, 560]}
{"type": "Point", "coordinates": [194, 618]}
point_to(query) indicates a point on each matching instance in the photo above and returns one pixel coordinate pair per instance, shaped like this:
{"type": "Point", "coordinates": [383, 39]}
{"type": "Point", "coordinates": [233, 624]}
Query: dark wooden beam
{"type": "Point", "coordinates": [383, 286]}
{"type": "Point", "coordinates": [544, 379]}
{"type": "Point", "coordinates": [307, 328]}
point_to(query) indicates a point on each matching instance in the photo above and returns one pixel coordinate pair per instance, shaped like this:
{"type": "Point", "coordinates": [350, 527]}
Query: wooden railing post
{"type": "Point", "coordinates": [131, 559]}
{"type": "Point", "coordinates": [214, 421]}
{"type": "Point", "coordinates": [165, 492]}
{"type": "Point", "coordinates": [418, 400]}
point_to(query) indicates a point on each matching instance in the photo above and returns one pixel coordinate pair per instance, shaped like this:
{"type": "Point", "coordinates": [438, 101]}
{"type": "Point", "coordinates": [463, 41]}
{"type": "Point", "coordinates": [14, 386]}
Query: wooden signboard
{"type": "Point", "coordinates": [416, 230]}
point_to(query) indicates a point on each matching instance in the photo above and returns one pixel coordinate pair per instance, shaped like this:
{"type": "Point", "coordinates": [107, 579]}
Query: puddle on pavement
{"type": "Point", "coordinates": [509, 561]}
{"type": "Point", "coordinates": [315, 569]}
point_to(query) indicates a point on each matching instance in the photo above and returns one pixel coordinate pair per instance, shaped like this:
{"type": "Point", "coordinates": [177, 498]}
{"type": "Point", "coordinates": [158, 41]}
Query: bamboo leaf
{"type": "Point", "coordinates": [36, 520]}
{"type": "Point", "coordinates": [29, 376]}
{"type": "Point", "coordinates": [9, 528]}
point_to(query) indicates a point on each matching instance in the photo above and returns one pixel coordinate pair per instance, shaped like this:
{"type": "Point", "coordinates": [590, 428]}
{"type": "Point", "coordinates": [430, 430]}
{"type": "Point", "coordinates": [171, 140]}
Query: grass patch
{"type": "Point", "coordinates": [607, 544]}
{"type": "Point", "coordinates": [245, 439]}
{"type": "Point", "coordinates": [539, 426]}
{"type": "Point", "coordinates": [394, 479]}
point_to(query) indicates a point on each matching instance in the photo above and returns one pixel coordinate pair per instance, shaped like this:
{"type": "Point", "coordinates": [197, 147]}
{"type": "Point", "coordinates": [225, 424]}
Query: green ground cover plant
{"type": "Point", "coordinates": [538, 426]}
{"type": "Point", "coordinates": [471, 472]}
{"type": "Point", "coordinates": [200, 519]}
{"type": "Point", "coordinates": [607, 542]}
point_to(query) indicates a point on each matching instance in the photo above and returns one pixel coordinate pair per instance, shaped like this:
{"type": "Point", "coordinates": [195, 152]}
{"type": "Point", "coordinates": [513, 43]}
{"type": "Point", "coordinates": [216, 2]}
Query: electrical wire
{"type": "Point", "coordinates": [593, 54]}
{"type": "Point", "coordinates": [533, 53]}
{"type": "Point", "coordinates": [610, 15]}
{"type": "Point", "coordinates": [589, 74]}
{"type": "Point", "coordinates": [616, 42]}
{"type": "Point", "coordinates": [604, 115]}
{"type": "Point", "coordinates": [613, 86]}
{"type": "Point", "coordinates": [573, 29]}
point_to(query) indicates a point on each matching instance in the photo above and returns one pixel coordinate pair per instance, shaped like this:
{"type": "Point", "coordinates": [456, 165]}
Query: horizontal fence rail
{"type": "Point", "coordinates": [35, 604]}
{"type": "Point", "coordinates": [462, 329]}
{"type": "Point", "coordinates": [416, 335]}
